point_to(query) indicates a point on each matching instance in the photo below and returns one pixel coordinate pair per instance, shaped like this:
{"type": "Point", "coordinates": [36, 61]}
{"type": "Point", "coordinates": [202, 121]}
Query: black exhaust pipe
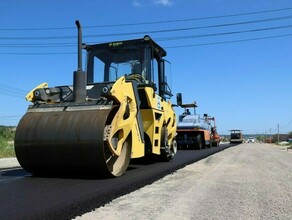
{"type": "Point", "coordinates": [79, 78]}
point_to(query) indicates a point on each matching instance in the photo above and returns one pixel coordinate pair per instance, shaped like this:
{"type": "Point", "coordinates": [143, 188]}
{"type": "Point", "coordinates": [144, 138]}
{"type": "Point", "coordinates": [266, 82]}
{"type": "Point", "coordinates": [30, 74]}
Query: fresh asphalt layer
{"type": "Point", "coordinates": [24, 196]}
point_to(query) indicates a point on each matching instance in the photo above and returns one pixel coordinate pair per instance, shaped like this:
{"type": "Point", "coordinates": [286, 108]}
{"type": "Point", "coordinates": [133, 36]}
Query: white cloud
{"type": "Point", "coordinates": [163, 2]}
{"type": "Point", "coordinates": [135, 3]}
{"type": "Point", "coordinates": [145, 3]}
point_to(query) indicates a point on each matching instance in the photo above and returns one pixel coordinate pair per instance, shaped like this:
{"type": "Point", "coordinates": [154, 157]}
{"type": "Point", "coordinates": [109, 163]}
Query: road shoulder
{"type": "Point", "coordinates": [9, 163]}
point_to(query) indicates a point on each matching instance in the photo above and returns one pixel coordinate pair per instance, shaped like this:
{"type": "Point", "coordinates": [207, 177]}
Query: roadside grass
{"type": "Point", "coordinates": [284, 144]}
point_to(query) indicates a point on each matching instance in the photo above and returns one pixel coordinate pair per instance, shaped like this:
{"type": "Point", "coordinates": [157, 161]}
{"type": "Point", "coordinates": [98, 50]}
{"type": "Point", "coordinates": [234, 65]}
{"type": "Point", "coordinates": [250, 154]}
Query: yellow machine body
{"type": "Point", "coordinates": [159, 116]}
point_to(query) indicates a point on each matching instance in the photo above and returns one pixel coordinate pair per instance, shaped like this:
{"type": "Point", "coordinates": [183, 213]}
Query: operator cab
{"type": "Point", "coordinates": [140, 60]}
{"type": "Point", "coordinates": [187, 114]}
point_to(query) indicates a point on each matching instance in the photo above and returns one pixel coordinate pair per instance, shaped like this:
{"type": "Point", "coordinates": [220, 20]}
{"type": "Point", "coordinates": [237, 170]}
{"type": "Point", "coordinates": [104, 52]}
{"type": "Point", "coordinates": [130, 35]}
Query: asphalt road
{"type": "Point", "coordinates": [28, 197]}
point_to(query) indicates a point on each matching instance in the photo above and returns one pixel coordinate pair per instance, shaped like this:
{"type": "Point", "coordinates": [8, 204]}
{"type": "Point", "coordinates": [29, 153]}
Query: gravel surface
{"type": "Point", "coordinates": [249, 181]}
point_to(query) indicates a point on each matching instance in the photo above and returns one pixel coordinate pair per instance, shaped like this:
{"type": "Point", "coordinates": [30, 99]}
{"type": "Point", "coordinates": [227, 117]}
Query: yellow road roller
{"type": "Point", "coordinates": [118, 109]}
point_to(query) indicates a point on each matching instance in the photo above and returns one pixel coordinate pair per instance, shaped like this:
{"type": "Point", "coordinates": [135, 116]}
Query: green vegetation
{"type": "Point", "coordinates": [274, 138]}
{"type": "Point", "coordinates": [7, 141]}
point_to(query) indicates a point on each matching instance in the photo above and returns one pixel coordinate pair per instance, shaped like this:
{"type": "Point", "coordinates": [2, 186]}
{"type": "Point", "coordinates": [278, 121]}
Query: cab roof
{"type": "Point", "coordinates": [159, 52]}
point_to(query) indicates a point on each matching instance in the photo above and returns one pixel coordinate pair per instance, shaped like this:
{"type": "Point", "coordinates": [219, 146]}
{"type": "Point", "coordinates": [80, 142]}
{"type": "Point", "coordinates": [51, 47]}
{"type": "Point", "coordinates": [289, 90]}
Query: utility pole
{"type": "Point", "coordinates": [278, 134]}
{"type": "Point", "coordinates": [270, 139]}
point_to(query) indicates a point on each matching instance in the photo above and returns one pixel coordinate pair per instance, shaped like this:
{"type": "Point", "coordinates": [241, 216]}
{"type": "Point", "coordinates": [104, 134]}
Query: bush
{"type": "Point", "coordinates": [7, 141]}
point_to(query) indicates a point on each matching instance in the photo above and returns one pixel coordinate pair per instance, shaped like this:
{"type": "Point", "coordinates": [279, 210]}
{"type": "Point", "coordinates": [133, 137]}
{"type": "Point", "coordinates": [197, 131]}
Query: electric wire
{"type": "Point", "coordinates": [228, 42]}
{"type": "Point", "coordinates": [10, 116]}
{"type": "Point", "coordinates": [184, 37]}
{"type": "Point", "coordinates": [11, 88]}
{"type": "Point", "coordinates": [8, 90]}
{"type": "Point", "coordinates": [11, 94]}
{"type": "Point", "coordinates": [151, 31]}
{"type": "Point", "coordinates": [152, 22]}
{"type": "Point", "coordinates": [169, 47]}
{"type": "Point", "coordinates": [165, 38]}
{"type": "Point", "coordinates": [222, 33]}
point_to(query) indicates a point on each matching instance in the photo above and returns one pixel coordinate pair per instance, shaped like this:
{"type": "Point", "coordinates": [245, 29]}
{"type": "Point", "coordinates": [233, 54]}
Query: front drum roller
{"type": "Point", "coordinates": [68, 142]}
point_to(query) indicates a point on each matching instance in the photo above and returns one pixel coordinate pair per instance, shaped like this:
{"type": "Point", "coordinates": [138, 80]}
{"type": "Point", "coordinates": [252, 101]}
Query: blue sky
{"type": "Point", "coordinates": [243, 79]}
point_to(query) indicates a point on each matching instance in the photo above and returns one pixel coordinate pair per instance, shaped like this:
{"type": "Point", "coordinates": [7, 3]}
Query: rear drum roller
{"type": "Point", "coordinates": [68, 142]}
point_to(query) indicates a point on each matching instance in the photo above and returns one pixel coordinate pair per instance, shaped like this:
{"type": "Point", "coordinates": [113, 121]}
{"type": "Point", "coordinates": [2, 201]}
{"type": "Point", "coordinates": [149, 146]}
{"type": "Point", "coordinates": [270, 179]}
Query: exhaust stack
{"type": "Point", "coordinates": [79, 76]}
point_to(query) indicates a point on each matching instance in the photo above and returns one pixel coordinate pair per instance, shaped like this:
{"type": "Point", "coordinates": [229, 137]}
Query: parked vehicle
{"type": "Point", "coordinates": [251, 140]}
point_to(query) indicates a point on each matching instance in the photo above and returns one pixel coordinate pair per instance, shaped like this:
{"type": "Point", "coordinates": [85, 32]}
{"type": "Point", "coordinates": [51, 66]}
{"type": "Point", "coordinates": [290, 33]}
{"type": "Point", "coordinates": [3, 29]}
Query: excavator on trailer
{"type": "Point", "coordinates": [94, 127]}
{"type": "Point", "coordinates": [194, 131]}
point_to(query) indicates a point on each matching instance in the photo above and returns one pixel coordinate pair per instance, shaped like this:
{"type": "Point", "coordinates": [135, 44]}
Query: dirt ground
{"type": "Point", "coordinates": [248, 181]}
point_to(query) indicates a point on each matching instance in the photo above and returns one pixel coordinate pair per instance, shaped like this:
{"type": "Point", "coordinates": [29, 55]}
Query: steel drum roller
{"type": "Point", "coordinates": [67, 142]}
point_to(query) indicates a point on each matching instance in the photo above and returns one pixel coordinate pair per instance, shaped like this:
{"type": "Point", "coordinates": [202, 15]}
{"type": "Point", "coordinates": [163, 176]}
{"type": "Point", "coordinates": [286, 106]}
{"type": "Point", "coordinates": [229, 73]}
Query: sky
{"type": "Point", "coordinates": [233, 57]}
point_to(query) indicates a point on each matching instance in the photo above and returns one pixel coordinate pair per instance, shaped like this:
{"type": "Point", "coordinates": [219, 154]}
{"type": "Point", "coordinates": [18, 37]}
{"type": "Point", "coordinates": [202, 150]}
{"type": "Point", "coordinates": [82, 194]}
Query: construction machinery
{"type": "Point", "coordinates": [97, 127]}
{"type": "Point", "coordinates": [236, 136]}
{"type": "Point", "coordinates": [215, 137]}
{"type": "Point", "coordinates": [194, 131]}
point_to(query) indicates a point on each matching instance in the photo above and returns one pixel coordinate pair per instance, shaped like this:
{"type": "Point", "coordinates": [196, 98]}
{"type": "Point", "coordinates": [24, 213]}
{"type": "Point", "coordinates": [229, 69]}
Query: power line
{"type": "Point", "coordinates": [192, 19]}
{"type": "Point", "coordinates": [149, 31]}
{"type": "Point", "coordinates": [37, 45]}
{"type": "Point", "coordinates": [186, 29]}
{"type": "Point", "coordinates": [10, 116]}
{"type": "Point", "coordinates": [215, 34]}
{"type": "Point", "coordinates": [170, 47]}
{"type": "Point", "coordinates": [39, 53]}
{"type": "Point", "coordinates": [223, 33]}
{"type": "Point", "coordinates": [169, 38]}
{"type": "Point", "coordinates": [11, 91]}
{"type": "Point", "coordinates": [232, 41]}
{"type": "Point", "coordinates": [7, 93]}
{"type": "Point", "coordinates": [59, 44]}
{"type": "Point", "coordinates": [150, 23]}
